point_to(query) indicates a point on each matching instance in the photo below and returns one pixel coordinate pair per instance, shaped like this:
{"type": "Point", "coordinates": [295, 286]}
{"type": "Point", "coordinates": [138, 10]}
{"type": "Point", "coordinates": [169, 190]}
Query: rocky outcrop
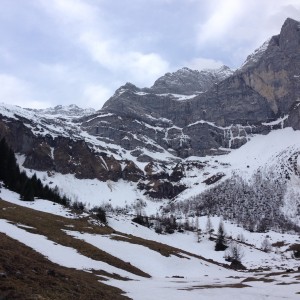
{"type": "Point", "coordinates": [63, 155]}
{"type": "Point", "coordinates": [157, 189]}
{"type": "Point", "coordinates": [131, 172]}
{"type": "Point", "coordinates": [187, 82]}
{"type": "Point", "coordinates": [273, 75]}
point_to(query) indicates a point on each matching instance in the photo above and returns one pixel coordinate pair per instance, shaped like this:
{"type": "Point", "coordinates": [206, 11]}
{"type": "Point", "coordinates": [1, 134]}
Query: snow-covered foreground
{"type": "Point", "coordinates": [64, 256]}
{"type": "Point", "coordinates": [253, 258]}
{"type": "Point", "coordinates": [202, 289]}
{"type": "Point", "coordinates": [152, 262]}
{"type": "Point", "coordinates": [198, 279]}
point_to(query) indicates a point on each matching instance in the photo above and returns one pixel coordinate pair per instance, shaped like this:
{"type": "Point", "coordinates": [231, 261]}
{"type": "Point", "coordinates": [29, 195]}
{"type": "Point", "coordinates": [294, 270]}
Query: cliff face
{"type": "Point", "coordinates": [274, 74]}
{"type": "Point", "coordinates": [188, 82]}
{"type": "Point", "coordinates": [184, 113]}
{"type": "Point", "coordinates": [264, 89]}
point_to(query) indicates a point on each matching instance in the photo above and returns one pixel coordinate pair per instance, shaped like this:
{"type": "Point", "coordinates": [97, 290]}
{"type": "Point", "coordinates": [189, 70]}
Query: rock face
{"type": "Point", "coordinates": [187, 82]}
{"type": "Point", "coordinates": [184, 113]}
{"type": "Point", "coordinates": [273, 75]}
{"type": "Point", "coordinates": [264, 89]}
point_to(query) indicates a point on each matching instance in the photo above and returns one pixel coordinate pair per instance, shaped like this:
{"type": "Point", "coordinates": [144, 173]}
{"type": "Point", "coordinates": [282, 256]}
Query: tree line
{"type": "Point", "coordinates": [17, 181]}
{"type": "Point", "coordinates": [255, 204]}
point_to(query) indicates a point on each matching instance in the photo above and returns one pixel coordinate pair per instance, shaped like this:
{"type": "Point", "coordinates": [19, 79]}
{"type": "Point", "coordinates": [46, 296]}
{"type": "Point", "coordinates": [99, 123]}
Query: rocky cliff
{"type": "Point", "coordinates": [184, 113]}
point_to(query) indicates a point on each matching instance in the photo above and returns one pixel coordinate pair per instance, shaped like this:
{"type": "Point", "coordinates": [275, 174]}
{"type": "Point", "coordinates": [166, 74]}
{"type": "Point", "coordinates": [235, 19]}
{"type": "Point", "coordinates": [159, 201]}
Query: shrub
{"type": "Point", "coordinates": [141, 220]}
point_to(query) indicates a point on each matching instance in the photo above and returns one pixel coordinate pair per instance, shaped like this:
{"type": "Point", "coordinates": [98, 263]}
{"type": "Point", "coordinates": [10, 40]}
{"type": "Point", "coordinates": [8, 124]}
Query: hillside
{"type": "Point", "coordinates": [72, 243]}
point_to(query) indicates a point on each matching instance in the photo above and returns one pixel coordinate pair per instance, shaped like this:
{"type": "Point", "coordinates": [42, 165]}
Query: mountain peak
{"type": "Point", "coordinates": [290, 22]}
{"type": "Point", "coordinates": [289, 37]}
{"type": "Point", "coordinates": [287, 42]}
{"type": "Point", "coordinates": [187, 81]}
{"type": "Point", "coordinates": [128, 86]}
{"type": "Point", "coordinates": [71, 110]}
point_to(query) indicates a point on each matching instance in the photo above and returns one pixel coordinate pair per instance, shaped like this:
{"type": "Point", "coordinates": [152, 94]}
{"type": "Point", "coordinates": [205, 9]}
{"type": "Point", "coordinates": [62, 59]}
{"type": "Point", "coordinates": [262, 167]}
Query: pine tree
{"type": "Point", "coordinates": [4, 154]}
{"type": "Point", "coordinates": [17, 181]}
{"type": "Point", "coordinates": [27, 193]}
{"type": "Point", "coordinates": [220, 242]}
{"type": "Point", "coordinates": [209, 226]}
{"type": "Point", "coordinates": [234, 253]}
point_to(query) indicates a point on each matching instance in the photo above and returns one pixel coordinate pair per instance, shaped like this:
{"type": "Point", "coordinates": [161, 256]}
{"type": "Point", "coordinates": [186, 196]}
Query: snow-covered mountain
{"type": "Point", "coordinates": [188, 82]}
{"type": "Point", "coordinates": [163, 144]}
{"type": "Point", "coordinates": [71, 110]}
{"type": "Point", "coordinates": [196, 150]}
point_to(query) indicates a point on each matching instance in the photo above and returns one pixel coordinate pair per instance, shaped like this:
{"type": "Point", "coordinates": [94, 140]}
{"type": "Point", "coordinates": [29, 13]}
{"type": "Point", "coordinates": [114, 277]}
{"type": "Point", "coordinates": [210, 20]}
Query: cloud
{"type": "Point", "coordinates": [70, 11]}
{"type": "Point", "coordinates": [226, 31]}
{"type": "Point", "coordinates": [59, 72]}
{"type": "Point", "coordinates": [81, 51]}
{"type": "Point", "coordinates": [95, 95]}
{"type": "Point", "coordinates": [18, 92]}
{"type": "Point", "coordinates": [219, 22]}
{"type": "Point", "coordinates": [140, 67]}
{"type": "Point", "coordinates": [92, 34]}
{"type": "Point", "coordinates": [201, 63]}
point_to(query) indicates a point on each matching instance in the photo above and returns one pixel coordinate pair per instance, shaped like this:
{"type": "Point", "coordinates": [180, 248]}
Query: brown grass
{"type": "Point", "coordinates": [217, 286]}
{"type": "Point", "coordinates": [287, 283]}
{"type": "Point", "coordinates": [50, 226]}
{"type": "Point", "coordinates": [294, 247]}
{"type": "Point", "coordinates": [252, 279]}
{"type": "Point", "coordinates": [278, 244]}
{"type": "Point", "coordinates": [26, 274]}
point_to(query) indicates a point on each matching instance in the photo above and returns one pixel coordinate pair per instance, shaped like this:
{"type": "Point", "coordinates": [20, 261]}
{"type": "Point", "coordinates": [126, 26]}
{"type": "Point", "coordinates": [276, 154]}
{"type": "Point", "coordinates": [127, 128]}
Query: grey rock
{"type": "Point", "coordinates": [184, 113]}
{"type": "Point", "coordinates": [186, 81]}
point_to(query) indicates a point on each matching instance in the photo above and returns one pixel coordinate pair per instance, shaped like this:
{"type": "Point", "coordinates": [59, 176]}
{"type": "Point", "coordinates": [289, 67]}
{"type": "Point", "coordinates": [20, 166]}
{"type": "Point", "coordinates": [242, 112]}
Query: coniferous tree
{"type": "Point", "coordinates": [234, 252]}
{"type": "Point", "coordinates": [17, 181]}
{"type": "Point", "coordinates": [220, 242]}
{"type": "Point", "coordinates": [27, 193]}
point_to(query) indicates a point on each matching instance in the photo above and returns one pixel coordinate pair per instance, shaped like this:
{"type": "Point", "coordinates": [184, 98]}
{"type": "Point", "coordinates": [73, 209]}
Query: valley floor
{"type": "Point", "coordinates": [129, 257]}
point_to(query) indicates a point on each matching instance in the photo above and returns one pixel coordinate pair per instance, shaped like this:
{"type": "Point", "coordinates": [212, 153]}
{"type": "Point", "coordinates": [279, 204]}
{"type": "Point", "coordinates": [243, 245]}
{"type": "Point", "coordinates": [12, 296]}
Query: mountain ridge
{"type": "Point", "coordinates": [151, 140]}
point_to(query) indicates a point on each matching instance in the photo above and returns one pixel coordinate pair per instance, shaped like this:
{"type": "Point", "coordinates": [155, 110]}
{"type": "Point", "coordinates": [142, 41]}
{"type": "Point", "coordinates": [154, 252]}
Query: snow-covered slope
{"type": "Point", "coordinates": [255, 56]}
{"type": "Point", "coordinates": [70, 111]}
{"type": "Point", "coordinates": [276, 153]}
{"type": "Point", "coordinates": [182, 276]}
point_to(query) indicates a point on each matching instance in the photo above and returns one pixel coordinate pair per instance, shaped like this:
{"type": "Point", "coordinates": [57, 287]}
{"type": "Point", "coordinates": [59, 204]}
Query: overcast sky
{"type": "Point", "coordinates": [80, 51]}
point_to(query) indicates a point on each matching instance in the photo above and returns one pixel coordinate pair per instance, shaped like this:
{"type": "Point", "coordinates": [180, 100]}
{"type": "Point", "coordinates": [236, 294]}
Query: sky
{"type": "Point", "coordinates": [62, 52]}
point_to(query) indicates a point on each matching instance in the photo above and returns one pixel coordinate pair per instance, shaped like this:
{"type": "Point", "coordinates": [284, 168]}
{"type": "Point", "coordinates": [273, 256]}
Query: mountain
{"type": "Point", "coordinates": [71, 110]}
{"type": "Point", "coordinates": [188, 82]}
{"type": "Point", "coordinates": [177, 139]}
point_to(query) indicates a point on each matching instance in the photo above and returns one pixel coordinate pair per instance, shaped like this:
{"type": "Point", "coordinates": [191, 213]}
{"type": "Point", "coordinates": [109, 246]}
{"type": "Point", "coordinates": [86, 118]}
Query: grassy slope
{"type": "Point", "coordinates": [29, 275]}
{"type": "Point", "coordinates": [26, 274]}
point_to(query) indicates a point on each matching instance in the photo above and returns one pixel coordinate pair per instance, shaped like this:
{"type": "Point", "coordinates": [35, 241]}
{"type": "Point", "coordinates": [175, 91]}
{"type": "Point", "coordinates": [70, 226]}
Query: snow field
{"type": "Point", "coordinates": [199, 276]}
{"type": "Point", "coordinates": [62, 255]}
